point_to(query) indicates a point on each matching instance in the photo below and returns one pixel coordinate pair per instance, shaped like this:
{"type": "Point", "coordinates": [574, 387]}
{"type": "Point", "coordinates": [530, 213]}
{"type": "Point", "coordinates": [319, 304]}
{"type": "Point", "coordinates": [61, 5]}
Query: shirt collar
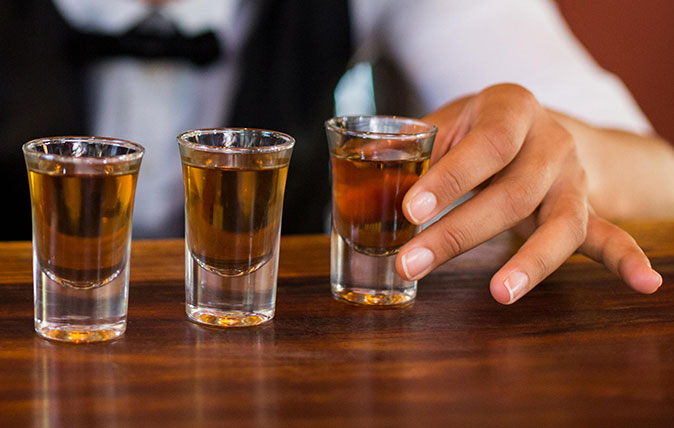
{"type": "Point", "coordinates": [117, 16]}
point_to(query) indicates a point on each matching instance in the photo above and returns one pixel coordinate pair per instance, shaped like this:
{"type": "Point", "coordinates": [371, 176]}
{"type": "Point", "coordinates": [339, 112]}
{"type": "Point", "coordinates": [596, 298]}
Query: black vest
{"type": "Point", "coordinates": [296, 53]}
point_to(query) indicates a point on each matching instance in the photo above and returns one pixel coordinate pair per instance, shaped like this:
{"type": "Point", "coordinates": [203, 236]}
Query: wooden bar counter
{"type": "Point", "coordinates": [580, 350]}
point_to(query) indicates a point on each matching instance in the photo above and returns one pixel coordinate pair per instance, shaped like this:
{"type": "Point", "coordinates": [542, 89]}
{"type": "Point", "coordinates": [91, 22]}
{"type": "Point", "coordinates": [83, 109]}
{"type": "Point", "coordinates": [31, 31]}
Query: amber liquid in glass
{"type": "Point", "coordinates": [82, 224]}
{"type": "Point", "coordinates": [233, 216]}
{"type": "Point", "coordinates": [367, 199]}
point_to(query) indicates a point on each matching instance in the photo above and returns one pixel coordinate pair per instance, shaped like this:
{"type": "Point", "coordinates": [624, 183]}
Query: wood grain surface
{"type": "Point", "coordinates": [581, 350]}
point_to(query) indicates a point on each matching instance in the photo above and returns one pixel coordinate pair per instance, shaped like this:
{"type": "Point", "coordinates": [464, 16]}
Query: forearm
{"type": "Point", "coordinates": [629, 176]}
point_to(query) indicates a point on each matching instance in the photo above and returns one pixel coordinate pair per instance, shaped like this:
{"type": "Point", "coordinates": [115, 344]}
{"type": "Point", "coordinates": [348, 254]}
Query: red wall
{"type": "Point", "coordinates": [635, 40]}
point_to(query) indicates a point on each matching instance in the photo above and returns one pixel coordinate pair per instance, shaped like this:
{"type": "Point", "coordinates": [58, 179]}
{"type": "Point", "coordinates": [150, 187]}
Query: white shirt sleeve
{"type": "Point", "coordinates": [450, 48]}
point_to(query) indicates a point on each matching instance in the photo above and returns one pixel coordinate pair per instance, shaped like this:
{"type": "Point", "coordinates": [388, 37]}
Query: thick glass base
{"type": "Point", "coordinates": [217, 318]}
{"type": "Point", "coordinates": [219, 300]}
{"type": "Point", "coordinates": [372, 297]}
{"type": "Point", "coordinates": [79, 314]}
{"type": "Point", "coordinates": [80, 333]}
{"type": "Point", "coordinates": [365, 279]}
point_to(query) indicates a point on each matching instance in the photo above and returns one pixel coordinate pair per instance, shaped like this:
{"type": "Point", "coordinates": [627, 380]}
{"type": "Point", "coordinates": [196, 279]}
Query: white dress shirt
{"type": "Point", "coordinates": [446, 48]}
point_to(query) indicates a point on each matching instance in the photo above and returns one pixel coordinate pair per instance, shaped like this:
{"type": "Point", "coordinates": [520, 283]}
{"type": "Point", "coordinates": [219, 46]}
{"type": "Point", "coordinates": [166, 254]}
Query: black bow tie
{"type": "Point", "coordinates": [146, 41]}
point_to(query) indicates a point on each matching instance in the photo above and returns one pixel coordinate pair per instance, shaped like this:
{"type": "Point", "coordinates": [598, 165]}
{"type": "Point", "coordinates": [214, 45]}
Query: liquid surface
{"type": "Point", "coordinates": [82, 225]}
{"type": "Point", "coordinates": [367, 200]}
{"type": "Point", "coordinates": [233, 216]}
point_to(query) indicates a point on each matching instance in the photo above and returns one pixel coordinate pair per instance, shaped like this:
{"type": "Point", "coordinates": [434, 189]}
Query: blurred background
{"type": "Point", "coordinates": [630, 39]}
{"type": "Point", "coordinates": [635, 40]}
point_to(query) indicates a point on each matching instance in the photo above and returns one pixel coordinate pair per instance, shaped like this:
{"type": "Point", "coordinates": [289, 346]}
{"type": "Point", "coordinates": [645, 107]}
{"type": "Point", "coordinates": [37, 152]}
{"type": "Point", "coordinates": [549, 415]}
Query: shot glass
{"type": "Point", "coordinates": [234, 187]}
{"type": "Point", "coordinates": [374, 161]}
{"type": "Point", "coordinates": [82, 191]}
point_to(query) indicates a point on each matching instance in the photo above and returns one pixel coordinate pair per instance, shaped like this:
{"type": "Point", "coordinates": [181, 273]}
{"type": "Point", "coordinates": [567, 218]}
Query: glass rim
{"type": "Point", "coordinates": [28, 149]}
{"type": "Point", "coordinates": [332, 125]}
{"type": "Point", "coordinates": [287, 143]}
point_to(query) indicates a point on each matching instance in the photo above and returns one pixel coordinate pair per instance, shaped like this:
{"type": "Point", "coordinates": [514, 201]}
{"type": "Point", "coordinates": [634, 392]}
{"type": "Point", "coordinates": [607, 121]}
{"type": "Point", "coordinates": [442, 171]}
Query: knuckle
{"type": "Point", "coordinates": [452, 183]}
{"type": "Point", "coordinates": [453, 241]}
{"type": "Point", "coordinates": [520, 199]}
{"type": "Point", "coordinates": [541, 265]}
{"type": "Point", "coordinates": [518, 94]}
{"type": "Point", "coordinates": [501, 143]}
{"type": "Point", "coordinates": [524, 97]}
{"type": "Point", "coordinates": [580, 232]}
{"type": "Point", "coordinates": [577, 229]}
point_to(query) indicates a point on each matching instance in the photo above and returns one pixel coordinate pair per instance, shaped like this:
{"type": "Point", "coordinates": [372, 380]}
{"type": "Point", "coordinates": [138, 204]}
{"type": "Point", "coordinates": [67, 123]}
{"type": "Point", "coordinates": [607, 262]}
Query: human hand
{"type": "Point", "coordinates": [526, 174]}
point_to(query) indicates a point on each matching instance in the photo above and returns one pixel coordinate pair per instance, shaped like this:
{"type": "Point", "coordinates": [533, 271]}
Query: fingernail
{"type": "Point", "coordinates": [417, 262]}
{"type": "Point", "coordinates": [659, 278]}
{"type": "Point", "coordinates": [516, 284]}
{"type": "Point", "coordinates": [422, 206]}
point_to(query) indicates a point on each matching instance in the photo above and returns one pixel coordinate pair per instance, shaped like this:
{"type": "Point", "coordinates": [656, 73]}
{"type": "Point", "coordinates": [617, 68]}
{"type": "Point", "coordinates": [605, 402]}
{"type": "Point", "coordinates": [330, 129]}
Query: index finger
{"type": "Point", "coordinates": [500, 121]}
